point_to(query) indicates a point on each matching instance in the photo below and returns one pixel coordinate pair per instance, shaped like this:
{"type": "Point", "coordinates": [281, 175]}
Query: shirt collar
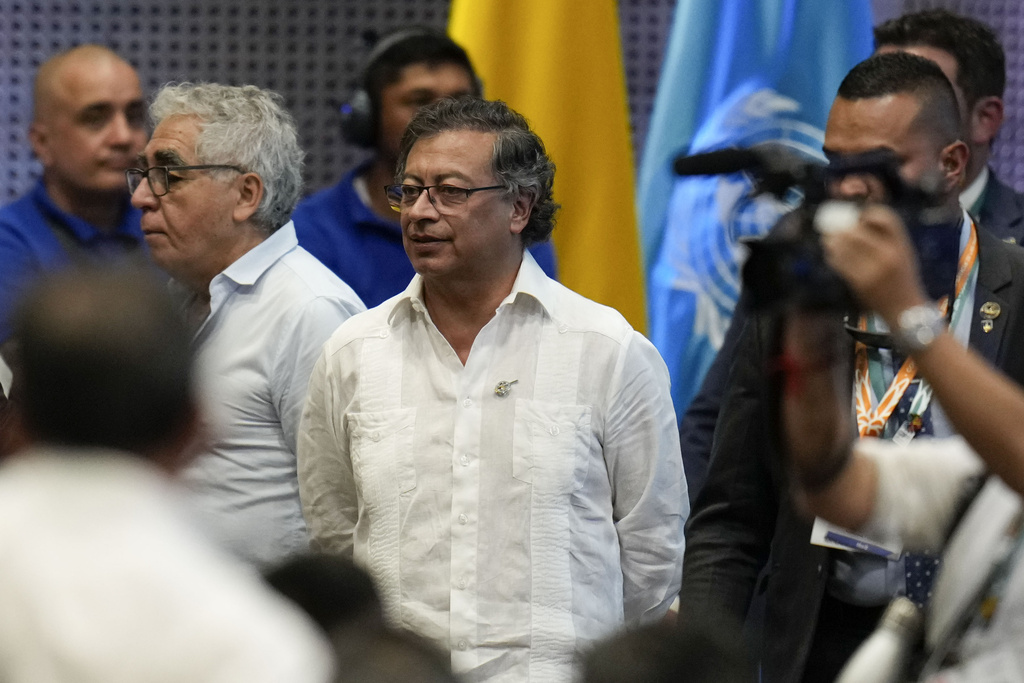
{"type": "Point", "coordinates": [972, 193]}
{"type": "Point", "coordinates": [530, 281]}
{"type": "Point", "coordinates": [253, 263]}
{"type": "Point", "coordinates": [83, 230]}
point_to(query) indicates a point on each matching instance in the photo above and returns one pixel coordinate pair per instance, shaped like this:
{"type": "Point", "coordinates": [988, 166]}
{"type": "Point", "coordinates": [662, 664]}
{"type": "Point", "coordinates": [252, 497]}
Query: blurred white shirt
{"type": "Point", "coordinates": [513, 529]}
{"type": "Point", "coordinates": [102, 580]}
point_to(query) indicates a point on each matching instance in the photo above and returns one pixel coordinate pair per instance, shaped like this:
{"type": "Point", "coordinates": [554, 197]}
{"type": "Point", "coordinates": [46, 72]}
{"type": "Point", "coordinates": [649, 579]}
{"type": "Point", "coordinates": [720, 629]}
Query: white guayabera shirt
{"type": "Point", "coordinates": [514, 529]}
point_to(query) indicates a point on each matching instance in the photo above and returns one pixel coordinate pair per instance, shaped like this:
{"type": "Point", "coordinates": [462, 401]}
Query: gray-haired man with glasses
{"type": "Point", "coordinates": [498, 451]}
{"type": "Point", "coordinates": [223, 173]}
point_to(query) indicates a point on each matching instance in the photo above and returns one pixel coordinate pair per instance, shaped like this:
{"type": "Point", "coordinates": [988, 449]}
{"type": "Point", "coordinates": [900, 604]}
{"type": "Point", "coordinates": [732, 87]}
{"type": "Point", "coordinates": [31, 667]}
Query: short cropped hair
{"type": "Point", "coordinates": [981, 62]}
{"type": "Point", "coordinates": [409, 46]}
{"type": "Point", "coordinates": [105, 360]}
{"type": "Point", "coordinates": [243, 126]}
{"type": "Point", "coordinates": [518, 159]}
{"type": "Point", "coordinates": [896, 73]}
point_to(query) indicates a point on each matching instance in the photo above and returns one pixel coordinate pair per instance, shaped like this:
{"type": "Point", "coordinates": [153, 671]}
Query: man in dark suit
{"type": "Point", "coordinates": [819, 603]}
{"type": "Point", "coordinates": [970, 55]}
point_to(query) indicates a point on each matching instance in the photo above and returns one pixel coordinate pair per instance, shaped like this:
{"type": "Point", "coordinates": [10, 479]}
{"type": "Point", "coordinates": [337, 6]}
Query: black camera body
{"type": "Point", "coordinates": [787, 267]}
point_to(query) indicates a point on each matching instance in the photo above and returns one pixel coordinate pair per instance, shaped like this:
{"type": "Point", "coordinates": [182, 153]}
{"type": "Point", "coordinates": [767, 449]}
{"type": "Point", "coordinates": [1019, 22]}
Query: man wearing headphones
{"type": "Point", "coordinates": [350, 226]}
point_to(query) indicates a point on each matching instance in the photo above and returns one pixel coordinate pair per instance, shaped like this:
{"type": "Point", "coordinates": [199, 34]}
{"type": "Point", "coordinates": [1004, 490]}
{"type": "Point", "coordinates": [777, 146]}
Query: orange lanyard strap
{"type": "Point", "coordinates": [871, 419]}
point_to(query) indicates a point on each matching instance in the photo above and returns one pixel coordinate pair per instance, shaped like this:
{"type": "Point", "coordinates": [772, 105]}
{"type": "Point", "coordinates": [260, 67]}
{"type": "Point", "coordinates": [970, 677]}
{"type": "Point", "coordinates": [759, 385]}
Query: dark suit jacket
{"type": "Point", "coordinates": [744, 521]}
{"type": "Point", "coordinates": [1002, 211]}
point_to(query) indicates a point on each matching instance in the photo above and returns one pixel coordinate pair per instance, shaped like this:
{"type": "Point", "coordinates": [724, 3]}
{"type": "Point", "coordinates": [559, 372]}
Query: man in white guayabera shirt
{"type": "Point", "coordinates": [498, 451]}
{"type": "Point", "coordinates": [222, 174]}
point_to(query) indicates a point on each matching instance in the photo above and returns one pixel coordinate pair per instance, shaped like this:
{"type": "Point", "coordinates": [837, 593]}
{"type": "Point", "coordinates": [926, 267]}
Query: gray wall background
{"type": "Point", "coordinates": [311, 52]}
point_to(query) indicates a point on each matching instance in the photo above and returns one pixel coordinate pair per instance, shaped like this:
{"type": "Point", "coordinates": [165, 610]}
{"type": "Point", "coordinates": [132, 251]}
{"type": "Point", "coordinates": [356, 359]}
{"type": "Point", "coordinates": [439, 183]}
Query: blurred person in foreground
{"type": "Point", "coordinates": [350, 226]}
{"type": "Point", "coordinates": [216, 185]}
{"type": "Point", "coordinates": [332, 590]}
{"type": "Point", "coordinates": [915, 494]}
{"type": "Point", "coordinates": [665, 653]}
{"type": "Point", "coordinates": [389, 655]}
{"type": "Point", "coordinates": [103, 577]}
{"type": "Point", "coordinates": [498, 451]}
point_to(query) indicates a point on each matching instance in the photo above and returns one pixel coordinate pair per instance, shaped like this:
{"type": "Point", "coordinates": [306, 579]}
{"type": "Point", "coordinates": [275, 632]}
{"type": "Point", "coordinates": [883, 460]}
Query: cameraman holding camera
{"type": "Point", "coordinates": [821, 602]}
{"type": "Point", "coordinates": [912, 494]}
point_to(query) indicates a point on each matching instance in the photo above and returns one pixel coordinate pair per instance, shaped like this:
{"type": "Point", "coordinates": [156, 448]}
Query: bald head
{"type": "Point", "coordinates": [59, 74]}
{"type": "Point", "coordinates": [88, 126]}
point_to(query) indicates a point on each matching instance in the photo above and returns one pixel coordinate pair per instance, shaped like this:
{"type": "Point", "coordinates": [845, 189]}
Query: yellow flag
{"type": "Point", "coordinates": [559, 64]}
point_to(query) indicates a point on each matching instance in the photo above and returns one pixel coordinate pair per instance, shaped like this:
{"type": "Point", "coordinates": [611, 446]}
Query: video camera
{"type": "Point", "coordinates": [787, 267]}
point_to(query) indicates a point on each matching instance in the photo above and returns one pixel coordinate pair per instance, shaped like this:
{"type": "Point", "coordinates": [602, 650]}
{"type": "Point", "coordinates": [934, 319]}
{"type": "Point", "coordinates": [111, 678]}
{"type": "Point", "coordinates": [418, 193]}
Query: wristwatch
{"type": "Point", "coordinates": [917, 327]}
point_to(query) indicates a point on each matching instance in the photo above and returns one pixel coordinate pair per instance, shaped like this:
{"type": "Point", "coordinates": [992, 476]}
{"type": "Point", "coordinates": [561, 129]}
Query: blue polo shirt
{"type": "Point", "coordinates": [29, 243]}
{"type": "Point", "coordinates": [363, 249]}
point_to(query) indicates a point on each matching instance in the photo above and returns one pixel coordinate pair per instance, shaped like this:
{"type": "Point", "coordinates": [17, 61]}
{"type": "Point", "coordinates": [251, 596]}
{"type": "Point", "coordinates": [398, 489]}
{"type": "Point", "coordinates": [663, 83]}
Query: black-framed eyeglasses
{"type": "Point", "coordinates": [443, 196]}
{"type": "Point", "coordinates": [160, 177]}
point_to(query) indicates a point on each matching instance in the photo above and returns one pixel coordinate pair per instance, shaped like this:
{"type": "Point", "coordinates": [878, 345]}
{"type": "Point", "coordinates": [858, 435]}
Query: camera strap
{"type": "Point", "coordinates": [872, 415]}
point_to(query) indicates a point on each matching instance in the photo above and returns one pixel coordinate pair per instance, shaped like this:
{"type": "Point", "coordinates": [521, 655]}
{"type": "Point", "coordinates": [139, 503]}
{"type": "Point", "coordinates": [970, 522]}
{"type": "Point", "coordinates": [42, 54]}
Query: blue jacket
{"type": "Point", "coordinates": [36, 236]}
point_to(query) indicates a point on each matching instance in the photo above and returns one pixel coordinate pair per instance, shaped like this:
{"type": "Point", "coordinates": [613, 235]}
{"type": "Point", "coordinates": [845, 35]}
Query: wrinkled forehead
{"type": "Point", "coordinates": [173, 142]}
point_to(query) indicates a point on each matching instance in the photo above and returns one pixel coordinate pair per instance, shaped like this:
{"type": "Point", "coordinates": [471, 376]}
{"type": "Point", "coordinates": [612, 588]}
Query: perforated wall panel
{"type": "Point", "coordinates": [311, 52]}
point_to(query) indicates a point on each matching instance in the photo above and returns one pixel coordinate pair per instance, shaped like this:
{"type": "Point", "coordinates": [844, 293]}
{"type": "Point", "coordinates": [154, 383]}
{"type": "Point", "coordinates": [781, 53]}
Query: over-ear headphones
{"type": "Point", "coordinates": [358, 117]}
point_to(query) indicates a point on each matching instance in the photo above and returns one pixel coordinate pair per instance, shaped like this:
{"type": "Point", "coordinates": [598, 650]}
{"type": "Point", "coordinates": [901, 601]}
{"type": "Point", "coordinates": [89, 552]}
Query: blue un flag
{"type": "Point", "coordinates": [737, 73]}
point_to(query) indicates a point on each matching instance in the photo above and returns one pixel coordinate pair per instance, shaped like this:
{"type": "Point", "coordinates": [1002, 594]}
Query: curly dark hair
{"type": "Point", "coordinates": [518, 160]}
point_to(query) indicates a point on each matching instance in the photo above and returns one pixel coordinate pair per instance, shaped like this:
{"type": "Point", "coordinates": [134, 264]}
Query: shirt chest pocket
{"type": "Point", "coordinates": [381, 448]}
{"type": "Point", "coordinates": [551, 446]}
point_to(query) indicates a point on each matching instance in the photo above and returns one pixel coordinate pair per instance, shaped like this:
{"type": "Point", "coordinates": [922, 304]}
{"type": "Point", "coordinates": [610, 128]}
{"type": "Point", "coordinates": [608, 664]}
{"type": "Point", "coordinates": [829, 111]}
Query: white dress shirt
{"type": "Point", "coordinates": [102, 579]}
{"type": "Point", "coordinates": [270, 313]}
{"type": "Point", "coordinates": [513, 529]}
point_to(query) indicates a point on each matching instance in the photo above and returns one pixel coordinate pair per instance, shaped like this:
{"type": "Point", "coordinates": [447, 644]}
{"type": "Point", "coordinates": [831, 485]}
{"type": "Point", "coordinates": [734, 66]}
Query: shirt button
{"type": "Point", "coordinates": [464, 460]}
{"type": "Point", "coordinates": [467, 402]}
{"type": "Point", "coordinates": [462, 584]}
{"type": "Point", "coordinates": [384, 334]}
{"type": "Point", "coordinates": [562, 329]}
{"type": "Point", "coordinates": [463, 645]}
{"type": "Point", "coordinates": [463, 519]}
{"type": "Point", "coordinates": [553, 430]}
{"type": "Point", "coordinates": [375, 436]}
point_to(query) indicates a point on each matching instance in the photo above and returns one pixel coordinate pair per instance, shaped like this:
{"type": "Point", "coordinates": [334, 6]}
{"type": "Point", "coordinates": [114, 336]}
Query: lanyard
{"type": "Point", "coordinates": [871, 414]}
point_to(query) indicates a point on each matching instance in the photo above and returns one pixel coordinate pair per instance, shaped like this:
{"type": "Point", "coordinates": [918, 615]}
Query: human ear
{"type": "Point", "coordinates": [953, 165]}
{"type": "Point", "coordinates": [986, 120]}
{"type": "Point", "coordinates": [250, 194]}
{"type": "Point", "coordinates": [522, 206]}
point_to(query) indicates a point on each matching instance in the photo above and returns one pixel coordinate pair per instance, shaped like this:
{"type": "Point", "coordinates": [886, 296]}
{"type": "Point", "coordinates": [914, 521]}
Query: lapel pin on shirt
{"type": "Point", "coordinates": [502, 388]}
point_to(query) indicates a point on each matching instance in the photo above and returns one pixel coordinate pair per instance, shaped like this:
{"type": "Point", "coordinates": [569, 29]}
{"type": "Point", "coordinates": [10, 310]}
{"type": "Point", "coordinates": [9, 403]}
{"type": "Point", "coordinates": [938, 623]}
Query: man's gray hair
{"type": "Point", "coordinates": [518, 160]}
{"type": "Point", "coordinates": [243, 126]}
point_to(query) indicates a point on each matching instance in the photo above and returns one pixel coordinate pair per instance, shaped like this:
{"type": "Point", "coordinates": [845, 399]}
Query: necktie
{"type": "Point", "coordinates": [919, 568]}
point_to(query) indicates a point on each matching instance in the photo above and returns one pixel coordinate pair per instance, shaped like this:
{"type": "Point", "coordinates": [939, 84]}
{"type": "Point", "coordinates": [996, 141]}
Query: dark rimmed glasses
{"type": "Point", "coordinates": [443, 196]}
{"type": "Point", "coordinates": [160, 177]}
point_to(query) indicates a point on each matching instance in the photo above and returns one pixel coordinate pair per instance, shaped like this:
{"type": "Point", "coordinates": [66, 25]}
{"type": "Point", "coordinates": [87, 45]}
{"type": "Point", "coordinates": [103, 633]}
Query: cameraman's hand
{"type": "Point", "coordinates": [877, 260]}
